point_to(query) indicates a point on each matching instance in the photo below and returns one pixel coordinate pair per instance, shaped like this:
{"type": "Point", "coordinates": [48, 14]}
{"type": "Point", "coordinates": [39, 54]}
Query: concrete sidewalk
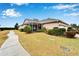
{"type": "Point", "coordinates": [12, 47]}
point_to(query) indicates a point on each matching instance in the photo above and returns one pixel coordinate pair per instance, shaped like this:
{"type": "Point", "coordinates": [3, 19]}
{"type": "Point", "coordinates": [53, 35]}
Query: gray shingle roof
{"type": "Point", "coordinates": [48, 20]}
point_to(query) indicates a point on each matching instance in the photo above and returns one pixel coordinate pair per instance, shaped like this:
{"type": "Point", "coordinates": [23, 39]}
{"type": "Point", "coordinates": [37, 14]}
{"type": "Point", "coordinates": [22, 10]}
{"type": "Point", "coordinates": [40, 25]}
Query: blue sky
{"type": "Point", "coordinates": [12, 13]}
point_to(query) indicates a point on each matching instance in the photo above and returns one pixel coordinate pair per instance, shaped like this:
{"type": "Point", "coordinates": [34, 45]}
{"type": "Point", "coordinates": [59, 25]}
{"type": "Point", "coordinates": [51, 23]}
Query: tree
{"type": "Point", "coordinates": [78, 26]}
{"type": "Point", "coordinates": [16, 26]}
{"type": "Point", "coordinates": [74, 25]}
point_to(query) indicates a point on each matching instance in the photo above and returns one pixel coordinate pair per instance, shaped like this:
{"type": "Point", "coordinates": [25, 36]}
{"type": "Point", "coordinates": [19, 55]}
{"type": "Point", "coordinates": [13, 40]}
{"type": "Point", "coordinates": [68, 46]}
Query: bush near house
{"type": "Point", "coordinates": [76, 27]}
{"type": "Point", "coordinates": [70, 32]}
{"type": "Point", "coordinates": [50, 32]}
{"type": "Point", "coordinates": [70, 29]}
{"type": "Point", "coordinates": [22, 30]}
{"type": "Point", "coordinates": [56, 31]}
{"type": "Point", "coordinates": [42, 30]}
{"type": "Point", "coordinates": [77, 31]}
{"type": "Point", "coordinates": [27, 29]}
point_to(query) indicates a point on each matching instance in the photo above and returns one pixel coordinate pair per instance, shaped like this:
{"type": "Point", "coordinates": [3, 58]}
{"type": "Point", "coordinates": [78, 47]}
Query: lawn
{"type": "Point", "coordinates": [3, 37]}
{"type": "Point", "coordinates": [41, 44]}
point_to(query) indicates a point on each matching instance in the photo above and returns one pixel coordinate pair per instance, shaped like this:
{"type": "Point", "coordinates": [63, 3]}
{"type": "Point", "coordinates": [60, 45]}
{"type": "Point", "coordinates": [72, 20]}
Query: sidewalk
{"type": "Point", "coordinates": [12, 47]}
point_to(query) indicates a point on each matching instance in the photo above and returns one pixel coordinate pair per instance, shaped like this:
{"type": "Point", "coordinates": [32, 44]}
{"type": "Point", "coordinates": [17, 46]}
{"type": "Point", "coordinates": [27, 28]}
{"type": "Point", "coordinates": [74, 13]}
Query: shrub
{"type": "Point", "coordinates": [77, 31]}
{"type": "Point", "coordinates": [57, 31]}
{"type": "Point", "coordinates": [70, 34]}
{"type": "Point", "coordinates": [42, 30]}
{"type": "Point", "coordinates": [61, 31]}
{"type": "Point", "coordinates": [69, 29]}
{"type": "Point", "coordinates": [50, 32]}
{"type": "Point", "coordinates": [27, 29]}
{"type": "Point", "coordinates": [22, 30]}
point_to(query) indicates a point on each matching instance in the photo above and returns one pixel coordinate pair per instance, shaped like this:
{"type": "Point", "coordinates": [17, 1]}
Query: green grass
{"type": "Point", "coordinates": [3, 37]}
{"type": "Point", "coordinates": [41, 44]}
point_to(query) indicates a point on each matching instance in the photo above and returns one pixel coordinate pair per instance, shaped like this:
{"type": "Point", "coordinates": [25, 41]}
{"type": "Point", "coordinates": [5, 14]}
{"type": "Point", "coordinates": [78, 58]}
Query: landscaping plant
{"type": "Point", "coordinates": [70, 33]}
{"type": "Point", "coordinates": [27, 29]}
{"type": "Point", "coordinates": [56, 31]}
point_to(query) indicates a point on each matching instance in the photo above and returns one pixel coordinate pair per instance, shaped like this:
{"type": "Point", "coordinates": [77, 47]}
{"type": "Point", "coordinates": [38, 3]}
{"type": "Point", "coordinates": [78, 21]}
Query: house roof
{"type": "Point", "coordinates": [45, 21]}
{"type": "Point", "coordinates": [28, 21]}
{"type": "Point", "coordinates": [48, 20]}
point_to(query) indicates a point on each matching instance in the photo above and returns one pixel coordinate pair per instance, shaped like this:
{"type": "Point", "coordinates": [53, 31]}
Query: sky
{"type": "Point", "coordinates": [12, 13]}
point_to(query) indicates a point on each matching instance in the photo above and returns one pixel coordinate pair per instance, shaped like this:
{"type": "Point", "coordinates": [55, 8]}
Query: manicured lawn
{"type": "Point", "coordinates": [3, 37]}
{"type": "Point", "coordinates": [41, 44]}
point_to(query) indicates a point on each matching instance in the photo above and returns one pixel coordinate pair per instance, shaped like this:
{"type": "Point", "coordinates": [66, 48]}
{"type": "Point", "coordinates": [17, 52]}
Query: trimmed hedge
{"type": "Point", "coordinates": [56, 31]}
{"type": "Point", "coordinates": [27, 29]}
{"type": "Point", "coordinates": [50, 32]}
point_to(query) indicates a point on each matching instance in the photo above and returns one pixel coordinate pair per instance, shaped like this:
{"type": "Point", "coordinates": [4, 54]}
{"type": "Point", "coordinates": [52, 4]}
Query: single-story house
{"type": "Point", "coordinates": [46, 23]}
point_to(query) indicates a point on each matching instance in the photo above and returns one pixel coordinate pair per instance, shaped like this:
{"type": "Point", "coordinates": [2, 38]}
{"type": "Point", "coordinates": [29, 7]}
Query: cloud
{"type": "Point", "coordinates": [11, 13]}
{"type": "Point", "coordinates": [19, 4]}
{"type": "Point", "coordinates": [72, 14]}
{"type": "Point", "coordinates": [65, 7]}
{"type": "Point", "coordinates": [75, 9]}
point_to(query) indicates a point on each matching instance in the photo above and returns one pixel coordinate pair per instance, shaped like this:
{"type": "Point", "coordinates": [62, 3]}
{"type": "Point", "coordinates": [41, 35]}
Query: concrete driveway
{"type": "Point", "coordinates": [12, 47]}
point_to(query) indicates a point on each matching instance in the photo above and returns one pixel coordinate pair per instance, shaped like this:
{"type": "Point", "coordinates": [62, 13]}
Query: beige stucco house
{"type": "Point", "coordinates": [47, 23]}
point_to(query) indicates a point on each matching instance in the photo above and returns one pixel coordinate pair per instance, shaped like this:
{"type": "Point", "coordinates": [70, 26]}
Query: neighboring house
{"type": "Point", "coordinates": [47, 23]}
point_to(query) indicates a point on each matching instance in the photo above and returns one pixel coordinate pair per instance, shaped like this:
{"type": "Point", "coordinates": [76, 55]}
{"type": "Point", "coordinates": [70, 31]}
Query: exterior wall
{"type": "Point", "coordinates": [52, 25]}
{"type": "Point", "coordinates": [21, 27]}
{"type": "Point", "coordinates": [61, 25]}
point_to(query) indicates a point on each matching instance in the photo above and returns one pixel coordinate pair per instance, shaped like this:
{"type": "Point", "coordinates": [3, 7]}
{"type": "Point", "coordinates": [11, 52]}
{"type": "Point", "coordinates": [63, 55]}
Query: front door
{"type": "Point", "coordinates": [34, 27]}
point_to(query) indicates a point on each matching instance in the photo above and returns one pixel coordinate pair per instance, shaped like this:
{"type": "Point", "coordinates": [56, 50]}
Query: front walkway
{"type": "Point", "coordinates": [12, 47]}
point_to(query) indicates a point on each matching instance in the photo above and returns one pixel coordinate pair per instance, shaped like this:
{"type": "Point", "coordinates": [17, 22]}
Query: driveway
{"type": "Point", "coordinates": [12, 47]}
